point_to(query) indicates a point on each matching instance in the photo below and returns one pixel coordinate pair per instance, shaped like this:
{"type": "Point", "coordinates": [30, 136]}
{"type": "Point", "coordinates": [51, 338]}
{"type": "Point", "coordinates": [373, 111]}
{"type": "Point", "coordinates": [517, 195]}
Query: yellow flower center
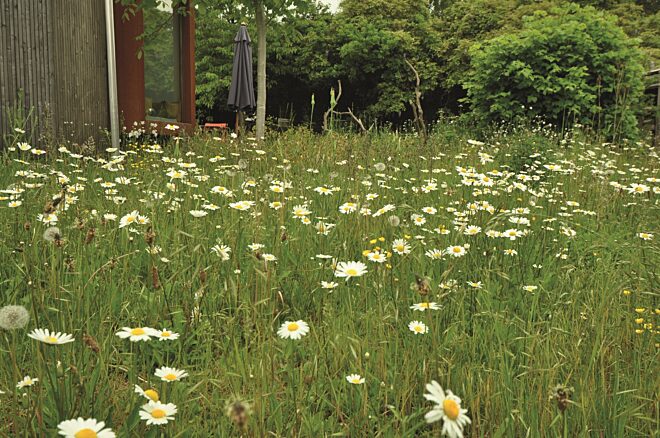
{"type": "Point", "coordinates": [351, 272]}
{"type": "Point", "coordinates": [419, 329]}
{"type": "Point", "coordinates": [152, 394]}
{"type": "Point", "coordinates": [292, 327]}
{"type": "Point", "coordinates": [457, 249]}
{"type": "Point", "coordinates": [51, 339]}
{"type": "Point", "coordinates": [170, 377]}
{"type": "Point", "coordinates": [424, 305]}
{"type": "Point", "coordinates": [85, 433]}
{"type": "Point", "coordinates": [400, 248]}
{"type": "Point", "coordinates": [158, 413]}
{"type": "Point", "coordinates": [355, 380]}
{"type": "Point", "coordinates": [137, 331]}
{"type": "Point", "coordinates": [166, 334]}
{"type": "Point", "coordinates": [451, 409]}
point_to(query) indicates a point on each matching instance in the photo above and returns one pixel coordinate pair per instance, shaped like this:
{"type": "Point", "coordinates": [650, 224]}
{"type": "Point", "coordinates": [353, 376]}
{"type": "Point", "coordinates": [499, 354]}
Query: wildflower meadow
{"type": "Point", "coordinates": [331, 285]}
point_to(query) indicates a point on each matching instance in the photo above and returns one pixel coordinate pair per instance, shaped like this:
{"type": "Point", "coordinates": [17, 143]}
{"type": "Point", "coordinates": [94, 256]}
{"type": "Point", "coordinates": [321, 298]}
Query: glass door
{"type": "Point", "coordinates": [162, 62]}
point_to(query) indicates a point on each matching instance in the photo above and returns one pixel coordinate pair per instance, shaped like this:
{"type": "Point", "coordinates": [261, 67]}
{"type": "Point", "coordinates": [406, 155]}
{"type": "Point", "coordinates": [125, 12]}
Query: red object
{"type": "Point", "coordinates": [209, 126]}
{"type": "Point", "coordinates": [130, 69]}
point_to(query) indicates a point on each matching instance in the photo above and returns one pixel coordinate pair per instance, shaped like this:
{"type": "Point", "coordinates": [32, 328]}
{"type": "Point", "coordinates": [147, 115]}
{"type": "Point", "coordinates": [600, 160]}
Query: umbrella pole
{"type": "Point", "coordinates": [240, 122]}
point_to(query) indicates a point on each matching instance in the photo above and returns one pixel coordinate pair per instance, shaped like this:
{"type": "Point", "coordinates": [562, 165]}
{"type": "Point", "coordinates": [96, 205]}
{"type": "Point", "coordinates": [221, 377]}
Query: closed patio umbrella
{"type": "Point", "coordinates": [241, 90]}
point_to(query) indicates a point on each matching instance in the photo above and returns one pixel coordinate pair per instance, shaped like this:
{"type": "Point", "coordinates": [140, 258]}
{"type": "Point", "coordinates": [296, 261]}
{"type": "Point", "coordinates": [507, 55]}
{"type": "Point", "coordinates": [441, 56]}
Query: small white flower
{"type": "Point", "coordinates": [158, 413]}
{"type": "Point", "coordinates": [52, 338]}
{"type": "Point", "coordinates": [84, 428]}
{"type": "Point", "coordinates": [27, 381]}
{"type": "Point", "coordinates": [135, 334]}
{"type": "Point", "coordinates": [418, 328]}
{"type": "Point", "coordinates": [293, 329]}
{"type": "Point", "coordinates": [355, 379]}
{"type": "Point", "coordinates": [168, 374]}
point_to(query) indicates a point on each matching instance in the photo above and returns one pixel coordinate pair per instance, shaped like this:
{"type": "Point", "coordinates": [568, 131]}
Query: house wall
{"type": "Point", "coordinates": [55, 51]}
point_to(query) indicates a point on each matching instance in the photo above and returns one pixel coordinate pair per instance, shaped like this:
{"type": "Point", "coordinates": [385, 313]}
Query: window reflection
{"type": "Point", "coordinates": [162, 48]}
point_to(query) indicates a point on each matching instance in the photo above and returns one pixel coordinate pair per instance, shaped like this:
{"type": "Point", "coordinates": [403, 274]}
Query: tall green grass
{"type": "Point", "coordinates": [500, 348]}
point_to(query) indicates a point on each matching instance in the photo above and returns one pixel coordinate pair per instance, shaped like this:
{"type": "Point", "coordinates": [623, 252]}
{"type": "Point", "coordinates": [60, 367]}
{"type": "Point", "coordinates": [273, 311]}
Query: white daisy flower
{"type": "Point", "coordinates": [455, 251]}
{"type": "Point", "coordinates": [425, 306]}
{"type": "Point", "coordinates": [149, 394]}
{"type": "Point", "coordinates": [158, 413]}
{"type": "Point", "coordinates": [135, 334]}
{"type": "Point", "coordinates": [27, 381]}
{"type": "Point", "coordinates": [84, 428]}
{"type": "Point", "coordinates": [401, 247]}
{"type": "Point", "coordinates": [168, 374]}
{"type": "Point", "coordinates": [198, 213]}
{"type": "Point", "coordinates": [164, 335]}
{"type": "Point", "coordinates": [355, 379]}
{"type": "Point", "coordinates": [418, 328]}
{"type": "Point", "coordinates": [52, 338]}
{"type": "Point", "coordinates": [448, 409]}
{"type": "Point", "coordinates": [350, 269]}
{"type": "Point", "coordinates": [293, 329]}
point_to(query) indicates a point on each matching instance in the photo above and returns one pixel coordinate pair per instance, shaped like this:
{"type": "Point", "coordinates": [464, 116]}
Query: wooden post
{"type": "Point", "coordinates": [656, 136]}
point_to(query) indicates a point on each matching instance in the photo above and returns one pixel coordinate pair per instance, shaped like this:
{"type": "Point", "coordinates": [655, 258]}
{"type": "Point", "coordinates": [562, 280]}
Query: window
{"type": "Point", "coordinates": [162, 63]}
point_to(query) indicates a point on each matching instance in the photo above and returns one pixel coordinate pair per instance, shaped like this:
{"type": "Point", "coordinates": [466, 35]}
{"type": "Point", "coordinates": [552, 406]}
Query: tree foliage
{"type": "Point", "coordinates": [573, 64]}
{"type": "Point", "coordinates": [366, 44]}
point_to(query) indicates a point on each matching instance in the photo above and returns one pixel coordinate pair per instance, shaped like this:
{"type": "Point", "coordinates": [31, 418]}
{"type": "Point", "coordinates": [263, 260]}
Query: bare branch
{"type": "Point", "coordinates": [418, 111]}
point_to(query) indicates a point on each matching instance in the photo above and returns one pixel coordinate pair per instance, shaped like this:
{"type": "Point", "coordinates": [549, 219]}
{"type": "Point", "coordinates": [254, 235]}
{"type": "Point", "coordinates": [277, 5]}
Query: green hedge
{"type": "Point", "coordinates": [571, 65]}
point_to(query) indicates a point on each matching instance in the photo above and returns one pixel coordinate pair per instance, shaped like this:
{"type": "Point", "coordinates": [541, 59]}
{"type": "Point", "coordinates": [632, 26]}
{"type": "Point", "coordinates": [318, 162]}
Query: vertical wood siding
{"type": "Point", "coordinates": [55, 52]}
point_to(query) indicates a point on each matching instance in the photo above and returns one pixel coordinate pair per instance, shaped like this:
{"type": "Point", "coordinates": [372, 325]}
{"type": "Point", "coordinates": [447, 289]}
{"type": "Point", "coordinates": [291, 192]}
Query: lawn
{"type": "Point", "coordinates": [520, 272]}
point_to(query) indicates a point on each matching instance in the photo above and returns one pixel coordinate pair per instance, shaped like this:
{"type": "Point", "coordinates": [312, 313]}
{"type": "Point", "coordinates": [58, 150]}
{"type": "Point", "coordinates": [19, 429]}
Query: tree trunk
{"type": "Point", "coordinates": [260, 14]}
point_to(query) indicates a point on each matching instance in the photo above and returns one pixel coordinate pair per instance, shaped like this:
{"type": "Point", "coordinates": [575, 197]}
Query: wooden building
{"type": "Point", "coordinates": [75, 65]}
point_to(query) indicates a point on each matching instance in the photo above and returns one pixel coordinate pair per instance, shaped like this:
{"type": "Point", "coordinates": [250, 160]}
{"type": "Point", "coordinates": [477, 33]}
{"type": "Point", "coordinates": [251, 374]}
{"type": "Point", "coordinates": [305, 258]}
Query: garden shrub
{"type": "Point", "coordinates": [570, 65]}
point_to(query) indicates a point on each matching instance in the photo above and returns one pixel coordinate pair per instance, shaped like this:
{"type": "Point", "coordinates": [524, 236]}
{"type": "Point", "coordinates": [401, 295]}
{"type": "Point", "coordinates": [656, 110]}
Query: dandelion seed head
{"type": "Point", "coordinates": [13, 317]}
{"type": "Point", "coordinates": [52, 234]}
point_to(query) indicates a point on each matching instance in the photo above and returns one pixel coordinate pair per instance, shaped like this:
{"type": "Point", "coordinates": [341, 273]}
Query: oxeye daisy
{"type": "Point", "coordinates": [456, 251]}
{"type": "Point", "coordinates": [329, 284]}
{"type": "Point", "coordinates": [158, 413]}
{"type": "Point", "coordinates": [27, 381]}
{"type": "Point", "coordinates": [149, 394]}
{"type": "Point", "coordinates": [448, 409]}
{"type": "Point", "coordinates": [355, 379]}
{"type": "Point", "coordinates": [84, 428]}
{"type": "Point", "coordinates": [52, 338]}
{"type": "Point", "coordinates": [401, 247]}
{"type": "Point", "coordinates": [377, 257]}
{"type": "Point", "coordinates": [418, 328]}
{"type": "Point", "coordinates": [168, 374]}
{"type": "Point", "coordinates": [135, 334]}
{"type": "Point", "coordinates": [164, 335]}
{"type": "Point", "coordinates": [424, 306]}
{"type": "Point", "coordinates": [350, 269]}
{"type": "Point", "coordinates": [293, 329]}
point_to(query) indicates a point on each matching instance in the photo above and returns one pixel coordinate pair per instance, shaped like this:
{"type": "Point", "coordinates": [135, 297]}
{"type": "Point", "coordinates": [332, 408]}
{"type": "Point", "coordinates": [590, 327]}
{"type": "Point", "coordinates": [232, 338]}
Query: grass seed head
{"type": "Point", "coordinates": [239, 412]}
{"type": "Point", "coordinates": [562, 394]}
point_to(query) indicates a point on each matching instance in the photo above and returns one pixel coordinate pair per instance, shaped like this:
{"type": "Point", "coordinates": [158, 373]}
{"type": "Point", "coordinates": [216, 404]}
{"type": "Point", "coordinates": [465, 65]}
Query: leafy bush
{"type": "Point", "coordinates": [571, 65]}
